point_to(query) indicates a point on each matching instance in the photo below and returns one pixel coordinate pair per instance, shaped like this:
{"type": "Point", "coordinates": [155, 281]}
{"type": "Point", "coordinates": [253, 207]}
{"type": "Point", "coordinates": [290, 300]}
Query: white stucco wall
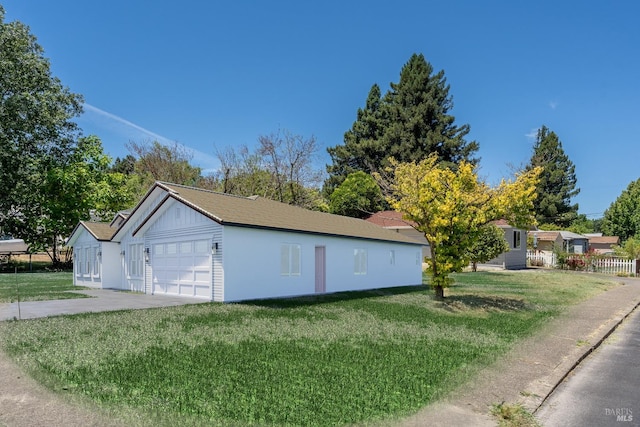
{"type": "Point", "coordinates": [252, 264]}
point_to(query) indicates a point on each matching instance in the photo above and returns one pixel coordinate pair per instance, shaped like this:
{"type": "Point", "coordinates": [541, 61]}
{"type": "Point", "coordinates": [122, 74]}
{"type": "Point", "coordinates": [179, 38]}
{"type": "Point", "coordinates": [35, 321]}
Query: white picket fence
{"type": "Point", "coordinates": [606, 265]}
{"type": "Point", "coordinates": [541, 259]}
{"type": "Point", "coordinates": [614, 265]}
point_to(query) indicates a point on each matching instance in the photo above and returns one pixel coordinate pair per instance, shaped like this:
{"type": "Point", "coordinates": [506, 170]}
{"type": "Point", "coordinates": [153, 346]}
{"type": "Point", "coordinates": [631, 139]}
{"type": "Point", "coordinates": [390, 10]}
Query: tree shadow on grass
{"type": "Point", "coordinates": [312, 300]}
{"type": "Point", "coordinates": [467, 302]}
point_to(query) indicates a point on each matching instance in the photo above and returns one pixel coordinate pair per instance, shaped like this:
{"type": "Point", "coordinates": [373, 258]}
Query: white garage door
{"type": "Point", "coordinates": [182, 268]}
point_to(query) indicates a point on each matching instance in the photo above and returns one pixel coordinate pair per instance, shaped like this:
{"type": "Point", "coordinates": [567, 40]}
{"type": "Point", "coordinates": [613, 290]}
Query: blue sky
{"type": "Point", "coordinates": [213, 74]}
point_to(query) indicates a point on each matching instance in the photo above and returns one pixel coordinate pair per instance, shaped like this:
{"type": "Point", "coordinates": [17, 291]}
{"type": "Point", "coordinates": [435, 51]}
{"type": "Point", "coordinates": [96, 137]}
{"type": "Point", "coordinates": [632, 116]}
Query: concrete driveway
{"type": "Point", "coordinates": [100, 300]}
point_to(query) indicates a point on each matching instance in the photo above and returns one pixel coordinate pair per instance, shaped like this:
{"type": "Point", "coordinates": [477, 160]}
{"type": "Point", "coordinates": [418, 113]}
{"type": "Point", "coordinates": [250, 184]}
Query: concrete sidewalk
{"type": "Point", "coordinates": [100, 300]}
{"type": "Point", "coordinates": [532, 370]}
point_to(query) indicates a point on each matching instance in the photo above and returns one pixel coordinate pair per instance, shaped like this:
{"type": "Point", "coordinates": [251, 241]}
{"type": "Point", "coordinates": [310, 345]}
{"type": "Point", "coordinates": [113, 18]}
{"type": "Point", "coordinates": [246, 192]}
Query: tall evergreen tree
{"type": "Point", "coordinates": [557, 183]}
{"type": "Point", "coordinates": [410, 122]}
{"type": "Point", "coordinates": [363, 148]}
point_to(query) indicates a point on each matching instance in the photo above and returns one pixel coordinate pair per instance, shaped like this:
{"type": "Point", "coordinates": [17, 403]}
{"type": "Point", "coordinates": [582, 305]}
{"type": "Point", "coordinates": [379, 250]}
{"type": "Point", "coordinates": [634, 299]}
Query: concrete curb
{"type": "Point", "coordinates": [564, 369]}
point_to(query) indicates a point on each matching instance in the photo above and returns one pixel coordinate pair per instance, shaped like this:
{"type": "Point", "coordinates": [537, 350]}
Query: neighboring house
{"type": "Point", "coordinates": [392, 220]}
{"type": "Point", "coordinates": [516, 257]}
{"type": "Point", "coordinates": [602, 244]}
{"type": "Point", "coordinates": [10, 246]}
{"type": "Point", "coordinates": [549, 241]}
{"type": "Point", "coordinates": [191, 242]}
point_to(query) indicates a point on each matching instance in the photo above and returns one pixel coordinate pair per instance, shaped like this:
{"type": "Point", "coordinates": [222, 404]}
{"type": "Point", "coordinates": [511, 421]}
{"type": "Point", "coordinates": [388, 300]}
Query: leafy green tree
{"type": "Point", "coordinates": [358, 196]}
{"type": "Point", "coordinates": [622, 218]}
{"type": "Point", "coordinates": [489, 244]}
{"type": "Point", "coordinates": [83, 188]}
{"type": "Point", "coordinates": [37, 133]}
{"type": "Point", "coordinates": [409, 123]}
{"type": "Point", "coordinates": [630, 248]}
{"type": "Point", "coordinates": [158, 162]}
{"type": "Point", "coordinates": [125, 165]}
{"type": "Point", "coordinates": [557, 182]}
{"type": "Point", "coordinates": [582, 225]}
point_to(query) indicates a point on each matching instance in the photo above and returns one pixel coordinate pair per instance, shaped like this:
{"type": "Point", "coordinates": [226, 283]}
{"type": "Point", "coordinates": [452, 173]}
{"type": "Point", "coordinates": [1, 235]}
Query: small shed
{"type": "Point", "coordinates": [516, 257]}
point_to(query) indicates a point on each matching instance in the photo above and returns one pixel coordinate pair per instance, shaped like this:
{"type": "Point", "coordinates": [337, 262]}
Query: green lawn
{"type": "Point", "coordinates": [316, 361]}
{"type": "Point", "coordinates": [37, 287]}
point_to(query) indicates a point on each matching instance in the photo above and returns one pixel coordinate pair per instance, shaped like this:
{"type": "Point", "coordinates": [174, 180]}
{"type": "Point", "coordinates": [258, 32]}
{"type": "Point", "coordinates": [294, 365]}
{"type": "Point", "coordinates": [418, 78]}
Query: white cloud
{"type": "Point", "coordinates": [122, 125]}
{"type": "Point", "coordinates": [133, 132]}
{"type": "Point", "coordinates": [533, 134]}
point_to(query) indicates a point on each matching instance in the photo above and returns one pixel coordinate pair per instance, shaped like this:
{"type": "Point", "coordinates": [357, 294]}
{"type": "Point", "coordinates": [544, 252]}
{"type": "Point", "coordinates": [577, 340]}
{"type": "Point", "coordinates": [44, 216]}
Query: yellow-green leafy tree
{"type": "Point", "coordinates": [450, 207]}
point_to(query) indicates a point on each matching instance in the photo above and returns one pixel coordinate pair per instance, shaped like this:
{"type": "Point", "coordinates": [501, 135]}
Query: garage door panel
{"type": "Point", "coordinates": [202, 291]}
{"type": "Point", "coordinates": [182, 268]}
{"type": "Point", "coordinates": [201, 276]}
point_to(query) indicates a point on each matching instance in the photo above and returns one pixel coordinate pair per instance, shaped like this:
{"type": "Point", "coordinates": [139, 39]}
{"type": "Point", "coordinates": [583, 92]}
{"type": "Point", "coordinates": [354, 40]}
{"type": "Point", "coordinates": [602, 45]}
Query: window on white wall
{"type": "Point", "coordinates": [290, 259]}
{"type": "Point", "coordinates": [516, 239]}
{"type": "Point", "coordinates": [360, 261]}
{"type": "Point", "coordinates": [392, 257]}
{"type": "Point", "coordinates": [135, 260]}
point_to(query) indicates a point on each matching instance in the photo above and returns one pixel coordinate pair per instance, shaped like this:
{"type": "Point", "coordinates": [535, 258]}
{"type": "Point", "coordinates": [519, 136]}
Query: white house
{"type": "Point", "coordinates": [187, 241]}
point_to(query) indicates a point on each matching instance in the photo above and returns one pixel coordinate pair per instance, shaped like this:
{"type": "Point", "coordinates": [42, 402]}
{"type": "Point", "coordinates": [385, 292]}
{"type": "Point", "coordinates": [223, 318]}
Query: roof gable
{"type": "Point", "coordinates": [101, 231]}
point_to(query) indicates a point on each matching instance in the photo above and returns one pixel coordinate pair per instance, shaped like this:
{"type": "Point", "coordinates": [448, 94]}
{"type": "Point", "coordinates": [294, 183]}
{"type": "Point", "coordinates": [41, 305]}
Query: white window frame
{"type": "Point", "coordinates": [290, 259]}
{"type": "Point", "coordinates": [360, 262]}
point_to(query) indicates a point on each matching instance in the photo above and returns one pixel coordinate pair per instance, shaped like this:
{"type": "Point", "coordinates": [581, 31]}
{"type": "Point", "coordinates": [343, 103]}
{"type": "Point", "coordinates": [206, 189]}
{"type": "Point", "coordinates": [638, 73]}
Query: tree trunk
{"type": "Point", "coordinates": [439, 292]}
{"type": "Point", "coordinates": [474, 266]}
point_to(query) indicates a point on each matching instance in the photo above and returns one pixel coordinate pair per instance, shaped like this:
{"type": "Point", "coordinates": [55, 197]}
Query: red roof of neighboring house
{"type": "Point", "coordinates": [390, 219]}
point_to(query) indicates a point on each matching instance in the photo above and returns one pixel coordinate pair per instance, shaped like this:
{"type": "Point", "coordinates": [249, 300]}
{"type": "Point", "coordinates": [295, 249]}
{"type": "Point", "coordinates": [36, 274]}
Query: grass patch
{"type": "Point", "coordinates": [37, 287]}
{"type": "Point", "coordinates": [509, 415]}
{"type": "Point", "coordinates": [347, 358]}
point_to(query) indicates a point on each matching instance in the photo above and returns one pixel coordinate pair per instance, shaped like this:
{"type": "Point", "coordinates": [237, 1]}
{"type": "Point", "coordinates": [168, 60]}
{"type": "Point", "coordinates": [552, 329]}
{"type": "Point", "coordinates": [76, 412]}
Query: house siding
{"type": "Point", "coordinates": [252, 260]}
{"type": "Point", "coordinates": [128, 282]}
{"type": "Point", "coordinates": [217, 261]}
